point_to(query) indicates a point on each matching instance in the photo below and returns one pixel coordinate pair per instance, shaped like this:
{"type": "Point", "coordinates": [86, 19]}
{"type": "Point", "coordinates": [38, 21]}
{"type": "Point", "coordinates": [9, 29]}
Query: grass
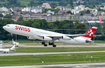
{"type": "Point", "coordinates": [21, 41]}
{"type": "Point", "coordinates": [31, 41]}
{"type": "Point", "coordinates": [103, 3]}
{"type": "Point", "coordinates": [99, 42]}
{"type": "Point", "coordinates": [52, 59]}
{"type": "Point", "coordinates": [57, 49]}
{"type": "Point", "coordinates": [26, 2]}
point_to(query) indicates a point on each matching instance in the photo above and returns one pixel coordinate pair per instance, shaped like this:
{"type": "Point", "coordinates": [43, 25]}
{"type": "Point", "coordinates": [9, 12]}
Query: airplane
{"type": "Point", "coordinates": [51, 37]}
{"type": "Point", "coordinates": [1, 46]}
{"type": "Point", "coordinates": [7, 50]}
{"type": "Point", "coordinates": [1, 41]}
{"type": "Point", "coordinates": [15, 43]}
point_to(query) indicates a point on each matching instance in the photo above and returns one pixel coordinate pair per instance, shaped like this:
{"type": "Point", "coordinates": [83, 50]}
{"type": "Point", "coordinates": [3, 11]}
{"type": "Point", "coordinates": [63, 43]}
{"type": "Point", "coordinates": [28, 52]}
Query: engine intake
{"type": "Point", "coordinates": [47, 38]}
{"type": "Point", "coordinates": [88, 41]}
{"type": "Point", "coordinates": [66, 38]}
{"type": "Point", "coordinates": [30, 37]}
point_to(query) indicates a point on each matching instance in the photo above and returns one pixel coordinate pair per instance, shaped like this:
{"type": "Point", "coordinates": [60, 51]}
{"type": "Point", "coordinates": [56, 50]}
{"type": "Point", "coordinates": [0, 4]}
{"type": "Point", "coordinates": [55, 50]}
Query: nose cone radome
{"type": "Point", "coordinates": [4, 27]}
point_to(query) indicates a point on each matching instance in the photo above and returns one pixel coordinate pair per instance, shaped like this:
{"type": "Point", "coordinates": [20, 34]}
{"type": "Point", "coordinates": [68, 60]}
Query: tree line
{"type": "Point", "coordinates": [53, 3]}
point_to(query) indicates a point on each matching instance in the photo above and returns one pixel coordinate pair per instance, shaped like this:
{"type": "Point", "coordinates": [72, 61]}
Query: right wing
{"type": "Point", "coordinates": [62, 36]}
{"type": "Point", "coordinates": [54, 37]}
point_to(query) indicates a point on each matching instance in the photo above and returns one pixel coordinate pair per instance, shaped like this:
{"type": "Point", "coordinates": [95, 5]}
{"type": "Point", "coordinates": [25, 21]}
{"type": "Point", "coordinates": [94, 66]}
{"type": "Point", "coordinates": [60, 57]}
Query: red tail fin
{"type": "Point", "coordinates": [90, 32]}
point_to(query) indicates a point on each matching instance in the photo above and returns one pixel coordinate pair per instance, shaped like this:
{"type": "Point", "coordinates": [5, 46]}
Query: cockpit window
{"type": "Point", "coordinates": [7, 25]}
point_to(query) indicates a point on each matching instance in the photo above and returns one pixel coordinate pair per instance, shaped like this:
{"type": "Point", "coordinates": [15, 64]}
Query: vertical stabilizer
{"type": "Point", "coordinates": [90, 32]}
{"type": "Point", "coordinates": [12, 48]}
{"type": "Point", "coordinates": [0, 46]}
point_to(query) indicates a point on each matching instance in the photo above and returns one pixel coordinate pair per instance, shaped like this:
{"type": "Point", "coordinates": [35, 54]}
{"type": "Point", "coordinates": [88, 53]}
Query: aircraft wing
{"type": "Point", "coordinates": [57, 37]}
{"type": "Point", "coordinates": [54, 37]}
{"type": "Point", "coordinates": [75, 35]}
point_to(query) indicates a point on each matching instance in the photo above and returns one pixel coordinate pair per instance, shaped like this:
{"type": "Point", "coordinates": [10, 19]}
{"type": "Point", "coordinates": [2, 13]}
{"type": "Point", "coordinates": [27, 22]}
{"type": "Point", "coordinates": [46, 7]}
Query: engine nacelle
{"type": "Point", "coordinates": [88, 41]}
{"type": "Point", "coordinates": [47, 38]}
{"type": "Point", "coordinates": [30, 37]}
{"type": "Point", "coordinates": [66, 38]}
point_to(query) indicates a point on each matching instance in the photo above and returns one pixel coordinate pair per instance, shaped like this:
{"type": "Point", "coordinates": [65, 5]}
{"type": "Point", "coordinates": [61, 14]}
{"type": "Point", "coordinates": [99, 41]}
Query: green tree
{"type": "Point", "coordinates": [4, 35]}
{"type": "Point", "coordinates": [69, 12]}
{"type": "Point", "coordinates": [56, 24]}
{"type": "Point", "coordinates": [62, 3]}
{"type": "Point", "coordinates": [104, 27]}
{"type": "Point", "coordinates": [82, 12]}
{"type": "Point", "coordinates": [79, 27]}
{"type": "Point", "coordinates": [71, 3]}
{"type": "Point", "coordinates": [31, 3]}
{"type": "Point", "coordinates": [28, 23]}
{"type": "Point", "coordinates": [13, 3]}
{"type": "Point", "coordinates": [36, 23]}
{"type": "Point", "coordinates": [76, 22]}
{"type": "Point", "coordinates": [88, 11]}
{"type": "Point", "coordinates": [43, 24]}
{"type": "Point", "coordinates": [45, 10]}
{"type": "Point", "coordinates": [20, 18]}
{"type": "Point", "coordinates": [51, 25]}
{"type": "Point", "coordinates": [1, 15]}
{"type": "Point", "coordinates": [53, 5]}
{"type": "Point", "coordinates": [99, 30]}
{"type": "Point", "coordinates": [8, 16]}
{"type": "Point", "coordinates": [79, 3]}
{"type": "Point", "coordinates": [68, 25]}
{"type": "Point", "coordinates": [87, 5]}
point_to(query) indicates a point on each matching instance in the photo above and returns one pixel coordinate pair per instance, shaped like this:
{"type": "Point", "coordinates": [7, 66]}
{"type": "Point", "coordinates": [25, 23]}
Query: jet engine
{"type": "Point", "coordinates": [88, 41]}
{"type": "Point", "coordinates": [47, 38]}
{"type": "Point", "coordinates": [66, 38]}
{"type": "Point", "coordinates": [30, 37]}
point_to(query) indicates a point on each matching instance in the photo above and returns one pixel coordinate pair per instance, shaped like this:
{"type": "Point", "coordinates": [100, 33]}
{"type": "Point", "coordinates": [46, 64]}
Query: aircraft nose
{"type": "Point", "coordinates": [4, 27]}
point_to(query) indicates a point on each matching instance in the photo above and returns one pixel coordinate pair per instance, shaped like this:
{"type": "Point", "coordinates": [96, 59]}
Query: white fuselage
{"type": "Point", "coordinates": [34, 33]}
{"type": "Point", "coordinates": [4, 50]}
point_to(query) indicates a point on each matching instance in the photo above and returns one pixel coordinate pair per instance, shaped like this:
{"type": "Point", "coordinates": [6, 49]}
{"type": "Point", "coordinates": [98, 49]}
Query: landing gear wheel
{"type": "Point", "coordinates": [51, 43]}
{"type": "Point", "coordinates": [54, 45]}
{"type": "Point", "coordinates": [45, 45]}
{"type": "Point", "coordinates": [4, 52]}
{"type": "Point", "coordinates": [43, 42]}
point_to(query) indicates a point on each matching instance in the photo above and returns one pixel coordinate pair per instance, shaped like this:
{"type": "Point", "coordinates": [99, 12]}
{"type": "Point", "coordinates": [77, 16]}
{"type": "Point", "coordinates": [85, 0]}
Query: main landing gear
{"type": "Point", "coordinates": [44, 43]}
{"type": "Point", "coordinates": [49, 44]}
